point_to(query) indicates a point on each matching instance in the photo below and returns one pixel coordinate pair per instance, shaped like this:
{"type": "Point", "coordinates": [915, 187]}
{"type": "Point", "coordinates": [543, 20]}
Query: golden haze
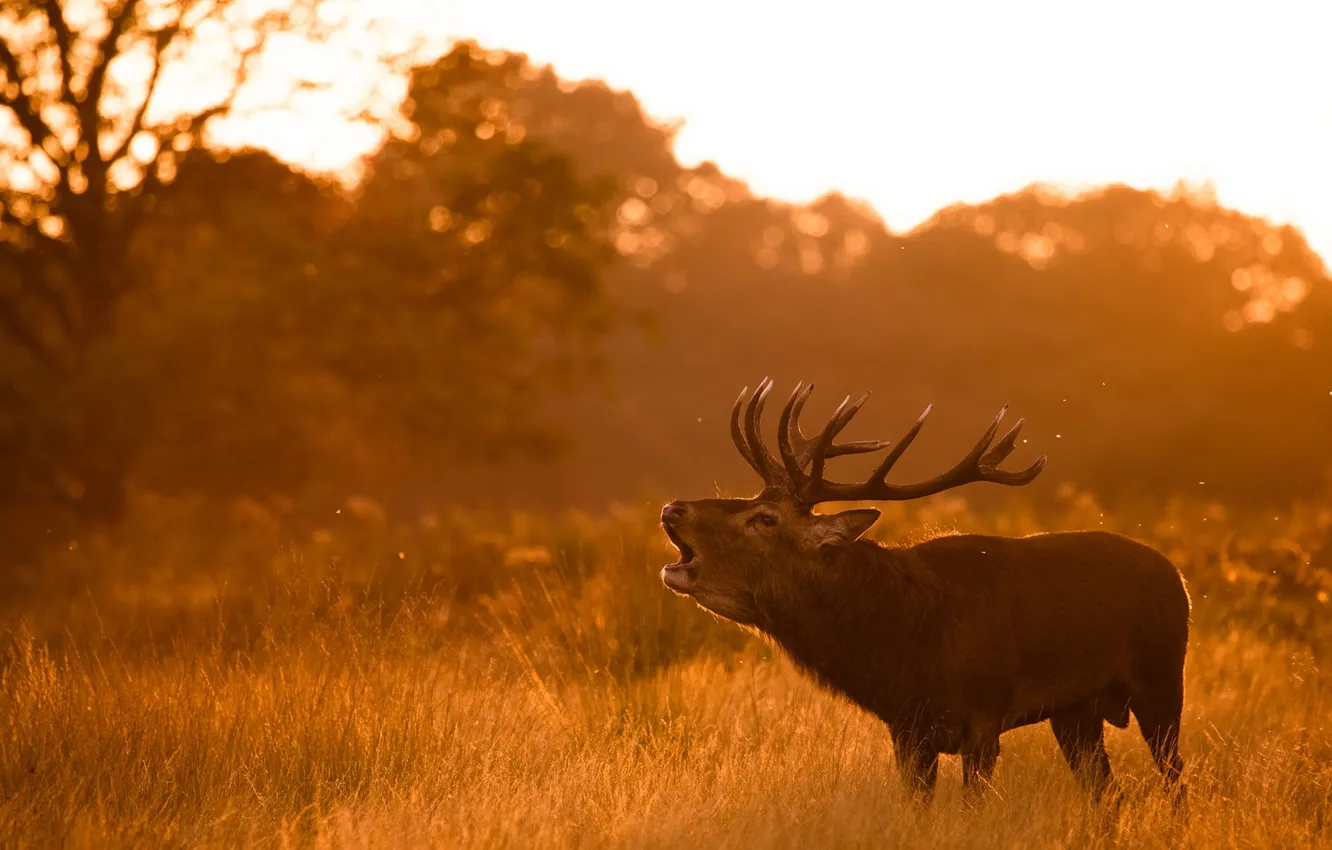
{"type": "Point", "coordinates": [330, 518]}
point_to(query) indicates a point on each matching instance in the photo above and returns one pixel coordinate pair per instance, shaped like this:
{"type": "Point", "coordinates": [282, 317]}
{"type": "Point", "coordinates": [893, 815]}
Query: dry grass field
{"type": "Point", "coordinates": [527, 682]}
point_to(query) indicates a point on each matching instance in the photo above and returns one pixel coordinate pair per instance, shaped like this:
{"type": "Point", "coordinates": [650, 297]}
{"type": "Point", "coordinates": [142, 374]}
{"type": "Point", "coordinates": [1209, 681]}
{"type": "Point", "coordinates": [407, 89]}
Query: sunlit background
{"type": "Point", "coordinates": [914, 106]}
{"type": "Point", "coordinates": [336, 420]}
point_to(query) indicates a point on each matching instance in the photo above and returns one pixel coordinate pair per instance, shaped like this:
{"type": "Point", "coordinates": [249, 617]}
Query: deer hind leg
{"type": "Point", "coordinates": [918, 766]}
{"type": "Point", "coordinates": [978, 765]}
{"type": "Point", "coordinates": [1114, 706]}
{"type": "Point", "coordinates": [980, 750]}
{"type": "Point", "coordinates": [1080, 731]}
{"type": "Point", "coordinates": [1158, 711]}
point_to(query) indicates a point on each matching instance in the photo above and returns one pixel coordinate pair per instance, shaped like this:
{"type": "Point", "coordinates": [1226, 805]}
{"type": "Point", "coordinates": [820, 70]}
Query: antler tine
{"type": "Point", "coordinates": [764, 462]}
{"type": "Point", "coordinates": [857, 447]}
{"type": "Point", "coordinates": [963, 472]}
{"type": "Point", "coordinates": [973, 458]}
{"type": "Point", "coordinates": [737, 435]}
{"type": "Point", "coordinates": [987, 465]}
{"type": "Point", "coordinates": [979, 464]}
{"type": "Point", "coordinates": [788, 430]}
{"type": "Point", "coordinates": [803, 446]}
{"type": "Point", "coordinates": [1013, 478]}
{"type": "Point", "coordinates": [1002, 449]}
{"type": "Point", "coordinates": [796, 451]}
{"type": "Point", "coordinates": [902, 445]}
{"type": "Point", "coordinates": [800, 444]}
{"type": "Point", "coordinates": [819, 455]}
{"type": "Point", "coordinates": [839, 420]}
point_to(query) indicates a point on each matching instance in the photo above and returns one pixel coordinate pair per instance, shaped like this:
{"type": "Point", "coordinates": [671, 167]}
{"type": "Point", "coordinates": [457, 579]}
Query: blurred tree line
{"type": "Point", "coordinates": [528, 299]}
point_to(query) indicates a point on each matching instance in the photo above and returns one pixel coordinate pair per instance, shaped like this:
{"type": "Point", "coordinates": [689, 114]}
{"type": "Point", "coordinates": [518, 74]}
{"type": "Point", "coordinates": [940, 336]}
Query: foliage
{"type": "Point", "coordinates": [283, 340]}
{"type": "Point", "coordinates": [87, 147]}
{"type": "Point", "coordinates": [499, 238]}
{"type": "Point", "coordinates": [423, 337]}
{"type": "Point", "coordinates": [1123, 324]}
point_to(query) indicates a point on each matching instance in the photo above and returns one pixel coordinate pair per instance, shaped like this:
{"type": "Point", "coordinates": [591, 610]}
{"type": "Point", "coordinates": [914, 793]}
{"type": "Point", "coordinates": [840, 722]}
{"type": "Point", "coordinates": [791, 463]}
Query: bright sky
{"type": "Point", "coordinates": [912, 106]}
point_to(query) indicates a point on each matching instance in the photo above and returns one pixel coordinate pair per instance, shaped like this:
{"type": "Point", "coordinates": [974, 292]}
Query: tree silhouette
{"type": "Point", "coordinates": [90, 143]}
{"type": "Point", "coordinates": [281, 339]}
{"type": "Point", "coordinates": [220, 324]}
{"type": "Point", "coordinates": [498, 234]}
{"type": "Point", "coordinates": [1154, 340]}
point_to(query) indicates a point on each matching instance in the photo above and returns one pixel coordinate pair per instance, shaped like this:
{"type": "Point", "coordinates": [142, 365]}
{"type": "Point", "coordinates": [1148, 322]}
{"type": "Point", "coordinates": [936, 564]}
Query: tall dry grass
{"type": "Point", "coordinates": [527, 682]}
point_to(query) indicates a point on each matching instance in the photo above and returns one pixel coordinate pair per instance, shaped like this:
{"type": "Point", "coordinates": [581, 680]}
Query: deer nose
{"type": "Point", "coordinates": [674, 510]}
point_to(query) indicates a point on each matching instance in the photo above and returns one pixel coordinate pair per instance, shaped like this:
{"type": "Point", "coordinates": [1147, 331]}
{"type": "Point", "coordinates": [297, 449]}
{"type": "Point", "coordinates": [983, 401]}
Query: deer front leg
{"type": "Point", "coordinates": [978, 762]}
{"type": "Point", "coordinates": [918, 766]}
{"type": "Point", "coordinates": [980, 750]}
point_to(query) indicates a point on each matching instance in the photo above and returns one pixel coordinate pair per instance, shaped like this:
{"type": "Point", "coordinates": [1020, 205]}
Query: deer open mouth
{"type": "Point", "coordinates": [681, 575]}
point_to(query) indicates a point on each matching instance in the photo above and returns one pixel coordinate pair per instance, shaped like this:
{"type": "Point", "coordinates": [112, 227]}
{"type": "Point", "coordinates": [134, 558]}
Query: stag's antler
{"type": "Point", "coordinates": [799, 452]}
{"type": "Point", "coordinates": [797, 449]}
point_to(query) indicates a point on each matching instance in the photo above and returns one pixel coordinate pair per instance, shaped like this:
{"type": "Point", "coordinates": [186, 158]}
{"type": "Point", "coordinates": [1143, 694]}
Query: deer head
{"type": "Point", "coordinates": [731, 548]}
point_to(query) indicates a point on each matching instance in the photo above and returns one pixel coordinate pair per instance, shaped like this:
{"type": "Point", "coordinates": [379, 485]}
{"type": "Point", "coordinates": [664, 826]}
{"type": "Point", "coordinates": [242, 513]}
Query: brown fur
{"type": "Point", "coordinates": [956, 640]}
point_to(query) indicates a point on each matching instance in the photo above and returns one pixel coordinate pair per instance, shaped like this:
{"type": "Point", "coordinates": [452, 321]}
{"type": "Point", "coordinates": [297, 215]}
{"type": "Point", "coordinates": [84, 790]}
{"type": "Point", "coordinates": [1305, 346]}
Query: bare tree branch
{"type": "Point", "coordinates": [67, 285]}
{"type": "Point", "coordinates": [28, 115]}
{"type": "Point", "coordinates": [151, 184]}
{"type": "Point", "coordinates": [89, 115]}
{"type": "Point", "coordinates": [161, 41]}
{"type": "Point", "coordinates": [64, 39]}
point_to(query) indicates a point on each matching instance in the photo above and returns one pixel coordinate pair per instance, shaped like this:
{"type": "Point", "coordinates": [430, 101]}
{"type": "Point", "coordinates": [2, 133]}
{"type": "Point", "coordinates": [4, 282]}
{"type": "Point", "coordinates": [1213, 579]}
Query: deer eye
{"type": "Point", "coordinates": [762, 520]}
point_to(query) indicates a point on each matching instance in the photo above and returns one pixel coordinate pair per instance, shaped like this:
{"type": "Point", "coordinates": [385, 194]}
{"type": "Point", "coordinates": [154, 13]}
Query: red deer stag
{"type": "Point", "coordinates": [951, 642]}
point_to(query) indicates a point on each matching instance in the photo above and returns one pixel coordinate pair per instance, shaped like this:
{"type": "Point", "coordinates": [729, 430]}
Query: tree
{"type": "Point", "coordinates": [420, 323]}
{"type": "Point", "coordinates": [279, 338]}
{"type": "Point", "coordinates": [293, 342]}
{"type": "Point", "coordinates": [1153, 340]}
{"type": "Point", "coordinates": [487, 247]}
{"type": "Point", "coordinates": [91, 142]}
{"type": "Point", "coordinates": [88, 142]}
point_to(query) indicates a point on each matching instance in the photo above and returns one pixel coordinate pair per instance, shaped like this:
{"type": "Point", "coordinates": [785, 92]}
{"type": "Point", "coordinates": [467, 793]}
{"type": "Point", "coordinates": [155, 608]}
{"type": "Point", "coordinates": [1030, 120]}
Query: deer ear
{"type": "Point", "coordinates": [841, 529]}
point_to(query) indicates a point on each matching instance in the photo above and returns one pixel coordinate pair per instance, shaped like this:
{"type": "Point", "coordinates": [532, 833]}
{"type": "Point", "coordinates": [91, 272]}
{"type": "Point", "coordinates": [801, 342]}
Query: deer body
{"type": "Point", "coordinates": [954, 641]}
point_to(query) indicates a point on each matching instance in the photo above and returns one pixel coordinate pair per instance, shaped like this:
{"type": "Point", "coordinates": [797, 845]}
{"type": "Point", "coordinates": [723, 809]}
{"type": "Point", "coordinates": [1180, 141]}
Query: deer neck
{"type": "Point", "coordinates": [858, 620]}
